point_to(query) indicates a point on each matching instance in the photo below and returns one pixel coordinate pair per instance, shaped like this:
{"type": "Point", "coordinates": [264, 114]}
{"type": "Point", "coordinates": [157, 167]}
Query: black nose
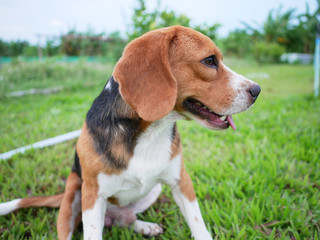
{"type": "Point", "coordinates": [254, 91]}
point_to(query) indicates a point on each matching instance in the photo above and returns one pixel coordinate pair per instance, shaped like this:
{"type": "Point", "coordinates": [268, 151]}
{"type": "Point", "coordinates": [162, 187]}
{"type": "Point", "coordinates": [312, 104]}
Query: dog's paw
{"type": "Point", "coordinates": [147, 228]}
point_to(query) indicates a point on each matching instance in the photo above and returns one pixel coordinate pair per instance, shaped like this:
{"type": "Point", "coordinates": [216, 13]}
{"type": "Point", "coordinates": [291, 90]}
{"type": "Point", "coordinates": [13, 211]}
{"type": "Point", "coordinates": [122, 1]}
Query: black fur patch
{"type": "Point", "coordinates": [111, 121]}
{"type": "Point", "coordinates": [76, 167]}
{"type": "Point", "coordinates": [175, 137]}
{"type": "Point", "coordinates": [174, 132]}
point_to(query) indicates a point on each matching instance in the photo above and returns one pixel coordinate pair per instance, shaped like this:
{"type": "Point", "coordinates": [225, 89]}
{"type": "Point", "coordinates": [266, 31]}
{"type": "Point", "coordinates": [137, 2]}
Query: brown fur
{"type": "Point", "coordinates": [113, 200]}
{"type": "Point", "coordinates": [49, 201]}
{"type": "Point", "coordinates": [91, 165]}
{"type": "Point", "coordinates": [119, 151]}
{"type": "Point", "coordinates": [65, 213]}
{"type": "Point", "coordinates": [176, 147]}
{"type": "Point", "coordinates": [186, 185]}
{"type": "Point", "coordinates": [144, 125]}
{"type": "Point", "coordinates": [143, 61]}
{"type": "Point", "coordinates": [89, 159]}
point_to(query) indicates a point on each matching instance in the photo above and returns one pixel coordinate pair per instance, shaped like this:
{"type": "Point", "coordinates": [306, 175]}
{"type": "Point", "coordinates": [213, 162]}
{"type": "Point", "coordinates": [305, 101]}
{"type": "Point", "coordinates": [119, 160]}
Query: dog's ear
{"type": "Point", "coordinates": [144, 75]}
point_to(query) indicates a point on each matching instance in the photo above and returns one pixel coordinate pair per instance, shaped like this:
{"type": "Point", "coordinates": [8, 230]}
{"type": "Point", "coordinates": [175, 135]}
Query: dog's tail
{"type": "Point", "coordinates": [53, 201]}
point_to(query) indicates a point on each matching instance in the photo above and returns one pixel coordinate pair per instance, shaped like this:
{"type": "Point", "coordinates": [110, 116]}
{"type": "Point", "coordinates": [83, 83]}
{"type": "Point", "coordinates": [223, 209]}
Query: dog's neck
{"type": "Point", "coordinates": [115, 126]}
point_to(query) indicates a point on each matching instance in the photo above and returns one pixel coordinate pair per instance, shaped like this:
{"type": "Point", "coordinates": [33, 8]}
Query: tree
{"type": "Point", "coordinates": [276, 28]}
{"type": "Point", "coordinates": [144, 21]}
{"type": "Point", "coordinates": [306, 28]}
{"type": "Point", "coordinates": [236, 43]}
{"type": "Point", "coordinates": [295, 33]}
{"type": "Point", "coordinates": [52, 47]}
{"type": "Point", "coordinates": [12, 48]}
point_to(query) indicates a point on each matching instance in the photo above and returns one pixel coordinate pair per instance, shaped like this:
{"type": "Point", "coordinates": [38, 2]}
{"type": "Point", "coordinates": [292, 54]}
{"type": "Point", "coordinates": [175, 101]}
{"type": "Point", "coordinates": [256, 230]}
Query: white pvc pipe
{"type": "Point", "coordinates": [316, 67]}
{"type": "Point", "coordinates": [34, 91]}
{"type": "Point", "coordinates": [45, 143]}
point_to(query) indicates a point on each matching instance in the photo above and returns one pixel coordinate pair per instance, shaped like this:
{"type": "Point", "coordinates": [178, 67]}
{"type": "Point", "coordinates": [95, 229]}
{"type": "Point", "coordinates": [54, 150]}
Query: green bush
{"type": "Point", "coordinates": [30, 51]}
{"type": "Point", "coordinates": [267, 52]}
{"type": "Point", "coordinates": [22, 75]}
{"type": "Point", "coordinates": [236, 44]}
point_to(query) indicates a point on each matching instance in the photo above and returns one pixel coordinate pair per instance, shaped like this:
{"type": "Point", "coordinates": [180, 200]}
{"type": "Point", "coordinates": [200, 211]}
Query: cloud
{"type": "Point", "coordinates": [56, 23]}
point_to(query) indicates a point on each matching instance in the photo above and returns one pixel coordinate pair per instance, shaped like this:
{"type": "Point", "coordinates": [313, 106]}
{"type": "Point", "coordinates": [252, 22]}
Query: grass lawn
{"type": "Point", "coordinates": [261, 181]}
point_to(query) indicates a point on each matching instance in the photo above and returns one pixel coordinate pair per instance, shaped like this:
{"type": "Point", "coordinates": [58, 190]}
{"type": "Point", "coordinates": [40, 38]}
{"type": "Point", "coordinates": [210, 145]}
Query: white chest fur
{"type": "Point", "coordinates": [147, 167]}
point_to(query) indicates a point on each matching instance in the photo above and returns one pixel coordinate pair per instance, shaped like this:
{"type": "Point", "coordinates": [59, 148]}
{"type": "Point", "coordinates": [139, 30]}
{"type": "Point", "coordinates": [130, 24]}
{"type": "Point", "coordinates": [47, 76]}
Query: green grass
{"type": "Point", "coordinates": [261, 181]}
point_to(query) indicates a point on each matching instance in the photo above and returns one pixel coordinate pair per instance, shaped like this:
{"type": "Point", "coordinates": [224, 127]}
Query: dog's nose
{"type": "Point", "coordinates": [254, 91]}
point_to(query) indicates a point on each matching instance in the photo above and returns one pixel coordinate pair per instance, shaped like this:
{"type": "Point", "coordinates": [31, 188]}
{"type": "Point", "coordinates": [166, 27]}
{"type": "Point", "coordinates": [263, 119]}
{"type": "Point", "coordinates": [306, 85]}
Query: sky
{"type": "Point", "coordinates": [28, 19]}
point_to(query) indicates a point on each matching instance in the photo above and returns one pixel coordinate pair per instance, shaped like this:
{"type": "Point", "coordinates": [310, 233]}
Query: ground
{"type": "Point", "coordinates": [258, 182]}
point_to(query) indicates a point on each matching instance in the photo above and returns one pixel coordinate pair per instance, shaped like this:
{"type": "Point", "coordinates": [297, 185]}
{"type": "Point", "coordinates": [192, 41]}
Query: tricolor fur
{"type": "Point", "coordinates": [130, 145]}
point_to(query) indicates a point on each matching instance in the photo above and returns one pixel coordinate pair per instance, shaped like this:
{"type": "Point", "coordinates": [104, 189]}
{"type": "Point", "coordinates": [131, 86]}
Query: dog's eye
{"type": "Point", "coordinates": [211, 61]}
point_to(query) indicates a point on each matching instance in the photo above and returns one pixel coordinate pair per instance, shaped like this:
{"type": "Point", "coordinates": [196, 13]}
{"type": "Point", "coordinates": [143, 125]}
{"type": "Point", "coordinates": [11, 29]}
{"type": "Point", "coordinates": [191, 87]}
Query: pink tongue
{"type": "Point", "coordinates": [231, 123]}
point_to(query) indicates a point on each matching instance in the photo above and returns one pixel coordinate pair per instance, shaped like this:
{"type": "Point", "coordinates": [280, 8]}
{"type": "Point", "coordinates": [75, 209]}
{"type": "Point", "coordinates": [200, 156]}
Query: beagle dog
{"type": "Point", "coordinates": [130, 145]}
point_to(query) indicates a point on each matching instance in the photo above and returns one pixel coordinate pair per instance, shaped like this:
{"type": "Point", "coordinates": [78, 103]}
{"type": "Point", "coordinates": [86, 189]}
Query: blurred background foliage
{"type": "Point", "coordinates": [283, 31]}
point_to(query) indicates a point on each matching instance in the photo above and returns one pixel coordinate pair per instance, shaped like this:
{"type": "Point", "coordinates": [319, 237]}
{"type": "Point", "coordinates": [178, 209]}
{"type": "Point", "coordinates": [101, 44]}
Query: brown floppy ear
{"type": "Point", "coordinates": [144, 75]}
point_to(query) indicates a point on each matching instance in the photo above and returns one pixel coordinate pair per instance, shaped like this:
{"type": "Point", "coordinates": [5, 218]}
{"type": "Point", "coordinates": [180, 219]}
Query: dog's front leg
{"type": "Point", "coordinates": [184, 195]}
{"type": "Point", "coordinates": [93, 212]}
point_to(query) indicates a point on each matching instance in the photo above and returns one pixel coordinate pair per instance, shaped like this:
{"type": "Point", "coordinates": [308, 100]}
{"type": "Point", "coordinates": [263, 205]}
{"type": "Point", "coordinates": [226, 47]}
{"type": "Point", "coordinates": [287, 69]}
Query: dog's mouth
{"type": "Point", "coordinates": [215, 120]}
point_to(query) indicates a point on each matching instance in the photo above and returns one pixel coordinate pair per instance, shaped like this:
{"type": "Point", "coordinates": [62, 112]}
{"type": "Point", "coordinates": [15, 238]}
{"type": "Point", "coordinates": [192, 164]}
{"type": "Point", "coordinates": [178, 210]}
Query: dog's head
{"type": "Point", "coordinates": [180, 69]}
